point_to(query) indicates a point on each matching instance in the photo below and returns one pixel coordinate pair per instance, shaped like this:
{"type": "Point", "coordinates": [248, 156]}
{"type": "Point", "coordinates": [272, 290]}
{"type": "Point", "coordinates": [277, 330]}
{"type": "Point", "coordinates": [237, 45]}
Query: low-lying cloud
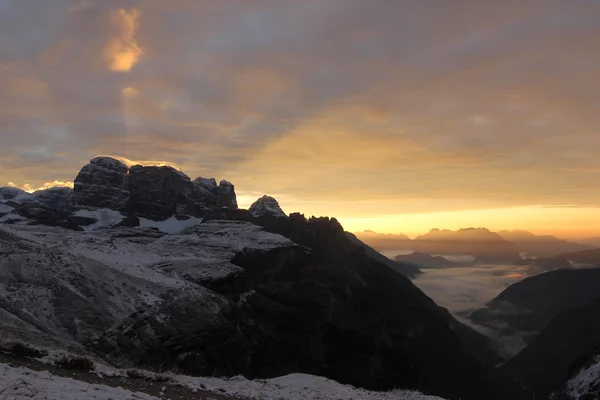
{"type": "Point", "coordinates": [465, 289]}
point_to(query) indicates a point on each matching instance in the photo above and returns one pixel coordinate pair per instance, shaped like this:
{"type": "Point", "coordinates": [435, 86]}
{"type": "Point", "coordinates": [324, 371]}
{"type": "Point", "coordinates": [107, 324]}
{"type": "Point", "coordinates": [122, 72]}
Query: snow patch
{"type": "Point", "coordinates": [106, 218]}
{"type": "Point", "coordinates": [171, 226]}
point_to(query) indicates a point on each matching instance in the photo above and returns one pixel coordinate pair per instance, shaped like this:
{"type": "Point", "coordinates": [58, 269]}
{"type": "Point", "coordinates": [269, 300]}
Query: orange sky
{"type": "Point", "coordinates": [395, 116]}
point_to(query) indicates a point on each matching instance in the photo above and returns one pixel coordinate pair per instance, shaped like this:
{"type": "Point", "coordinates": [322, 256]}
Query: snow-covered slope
{"type": "Point", "coordinates": [585, 384]}
{"type": "Point", "coordinates": [295, 387]}
{"type": "Point", "coordinates": [23, 383]}
{"type": "Point", "coordinates": [67, 287]}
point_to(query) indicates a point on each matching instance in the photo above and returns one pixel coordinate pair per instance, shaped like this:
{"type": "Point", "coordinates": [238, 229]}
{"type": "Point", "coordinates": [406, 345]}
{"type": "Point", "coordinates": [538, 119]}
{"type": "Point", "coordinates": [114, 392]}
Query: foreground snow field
{"type": "Point", "coordinates": [23, 383]}
{"type": "Point", "coordinates": [296, 387]}
{"type": "Point", "coordinates": [17, 383]}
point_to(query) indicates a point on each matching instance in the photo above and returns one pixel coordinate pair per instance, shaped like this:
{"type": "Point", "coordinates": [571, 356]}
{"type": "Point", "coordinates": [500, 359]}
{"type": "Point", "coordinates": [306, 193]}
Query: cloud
{"type": "Point", "coordinates": [465, 289]}
{"type": "Point", "coordinates": [322, 102]}
{"type": "Point", "coordinates": [29, 188]}
{"type": "Point", "coordinates": [121, 50]}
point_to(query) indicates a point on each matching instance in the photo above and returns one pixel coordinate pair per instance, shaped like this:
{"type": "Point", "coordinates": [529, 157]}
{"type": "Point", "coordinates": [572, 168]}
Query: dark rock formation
{"type": "Point", "coordinates": [207, 191]}
{"type": "Point", "coordinates": [227, 197]}
{"type": "Point", "coordinates": [38, 213]}
{"type": "Point", "coordinates": [158, 193]}
{"type": "Point", "coordinates": [102, 183]}
{"type": "Point", "coordinates": [151, 192]}
{"type": "Point", "coordinates": [58, 198]}
{"type": "Point", "coordinates": [266, 206]}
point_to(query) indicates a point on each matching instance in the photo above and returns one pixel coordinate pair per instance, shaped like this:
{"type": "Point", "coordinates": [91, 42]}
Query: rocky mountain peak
{"type": "Point", "coordinates": [227, 195]}
{"type": "Point", "coordinates": [266, 206]}
{"type": "Point", "coordinates": [152, 192]}
{"type": "Point", "coordinates": [102, 183]}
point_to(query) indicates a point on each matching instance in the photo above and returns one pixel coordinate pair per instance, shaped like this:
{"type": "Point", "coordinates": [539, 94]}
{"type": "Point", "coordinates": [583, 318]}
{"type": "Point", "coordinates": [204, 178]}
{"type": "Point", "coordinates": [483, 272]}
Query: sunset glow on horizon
{"type": "Point", "coordinates": [395, 116]}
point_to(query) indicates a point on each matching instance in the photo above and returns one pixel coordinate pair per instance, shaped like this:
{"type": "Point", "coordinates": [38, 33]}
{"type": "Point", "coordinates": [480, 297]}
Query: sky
{"type": "Point", "coordinates": [394, 115]}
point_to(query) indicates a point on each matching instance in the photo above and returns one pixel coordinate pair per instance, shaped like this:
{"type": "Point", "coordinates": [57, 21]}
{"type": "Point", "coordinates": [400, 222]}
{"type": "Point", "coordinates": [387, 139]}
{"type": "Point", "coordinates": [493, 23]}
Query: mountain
{"type": "Point", "coordinates": [148, 268]}
{"type": "Point", "coordinates": [424, 260]}
{"type": "Point", "coordinates": [485, 245]}
{"type": "Point", "coordinates": [525, 308]}
{"type": "Point", "coordinates": [547, 362]}
{"type": "Point", "coordinates": [384, 241]}
{"type": "Point", "coordinates": [407, 269]}
{"type": "Point", "coordinates": [593, 242]}
{"type": "Point", "coordinates": [541, 246]}
{"type": "Point", "coordinates": [579, 259]}
{"type": "Point", "coordinates": [266, 206]}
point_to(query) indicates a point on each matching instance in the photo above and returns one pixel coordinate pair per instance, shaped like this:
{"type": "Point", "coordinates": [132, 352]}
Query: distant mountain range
{"type": "Point", "coordinates": [424, 260]}
{"type": "Point", "coordinates": [485, 245]}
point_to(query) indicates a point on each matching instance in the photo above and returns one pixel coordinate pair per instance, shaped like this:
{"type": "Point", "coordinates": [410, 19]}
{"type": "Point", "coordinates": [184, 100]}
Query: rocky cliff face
{"type": "Point", "coordinates": [103, 184]}
{"type": "Point", "coordinates": [158, 193]}
{"type": "Point", "coordinates": [152, 192]}
{"type": "Point", "coordinates": [227, 197]}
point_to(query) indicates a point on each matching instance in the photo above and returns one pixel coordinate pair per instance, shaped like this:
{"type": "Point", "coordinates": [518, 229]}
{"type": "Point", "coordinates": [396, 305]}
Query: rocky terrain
{"type": "Point", "coordinates": [148, 268]}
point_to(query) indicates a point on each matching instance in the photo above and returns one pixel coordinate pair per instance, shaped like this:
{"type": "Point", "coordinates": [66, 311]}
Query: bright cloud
{"type": "Point", "coordinates": [122, 51]}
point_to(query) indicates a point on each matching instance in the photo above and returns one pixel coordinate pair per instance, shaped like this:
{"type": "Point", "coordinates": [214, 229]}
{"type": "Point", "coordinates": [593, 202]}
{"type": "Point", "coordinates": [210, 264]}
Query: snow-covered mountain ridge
{"type": "Point", "coordinates": [143, 267]}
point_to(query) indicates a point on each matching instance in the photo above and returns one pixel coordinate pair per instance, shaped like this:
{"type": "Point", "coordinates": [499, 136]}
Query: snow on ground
{"type": "Point", "coordinates": [106, 218]}
{"type": "Point", "coordinates": [584, 380]}
{"type": "Point", "coordinates": [171, 225]}
{"type": "Point", "coordinates": [294, 387]}
{"type": "Point", "coordinates": [23, 383]}
{"type": "Point", "coordinates": [175, 261]}
{"type": "Point", "coordinates": [4, 209]}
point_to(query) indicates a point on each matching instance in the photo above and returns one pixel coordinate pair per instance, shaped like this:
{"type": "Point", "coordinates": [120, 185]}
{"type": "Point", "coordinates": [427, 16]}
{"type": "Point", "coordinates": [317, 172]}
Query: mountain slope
{"type": "Point", "coordinates": [541, 245]}
{"type": "Point", "coordinates": [529, 305]}
{"type": "Point", "coordinates": [407, 269]}
{"type": "Point", "coordinates": [544, 364]}
{"type": "Point", "coordinates": [224, 292]}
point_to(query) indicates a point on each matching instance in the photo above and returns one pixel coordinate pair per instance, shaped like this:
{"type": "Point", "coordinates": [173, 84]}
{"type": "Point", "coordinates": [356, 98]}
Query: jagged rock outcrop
{"type": "Point", "coordinates": [58, 198]}
{"type": "Point", "coordinates": [266, 206]}
{"type": "Point", "coordinates": [158, 193]}
{"type": "Point", "coordinates": [227, 196]}
{"type": "Point", "coordinates": [207, 191]}
{"type": "Point", "coordinates": [152, 192]}
{"type": "Point", "coordinates": [102, 183]}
